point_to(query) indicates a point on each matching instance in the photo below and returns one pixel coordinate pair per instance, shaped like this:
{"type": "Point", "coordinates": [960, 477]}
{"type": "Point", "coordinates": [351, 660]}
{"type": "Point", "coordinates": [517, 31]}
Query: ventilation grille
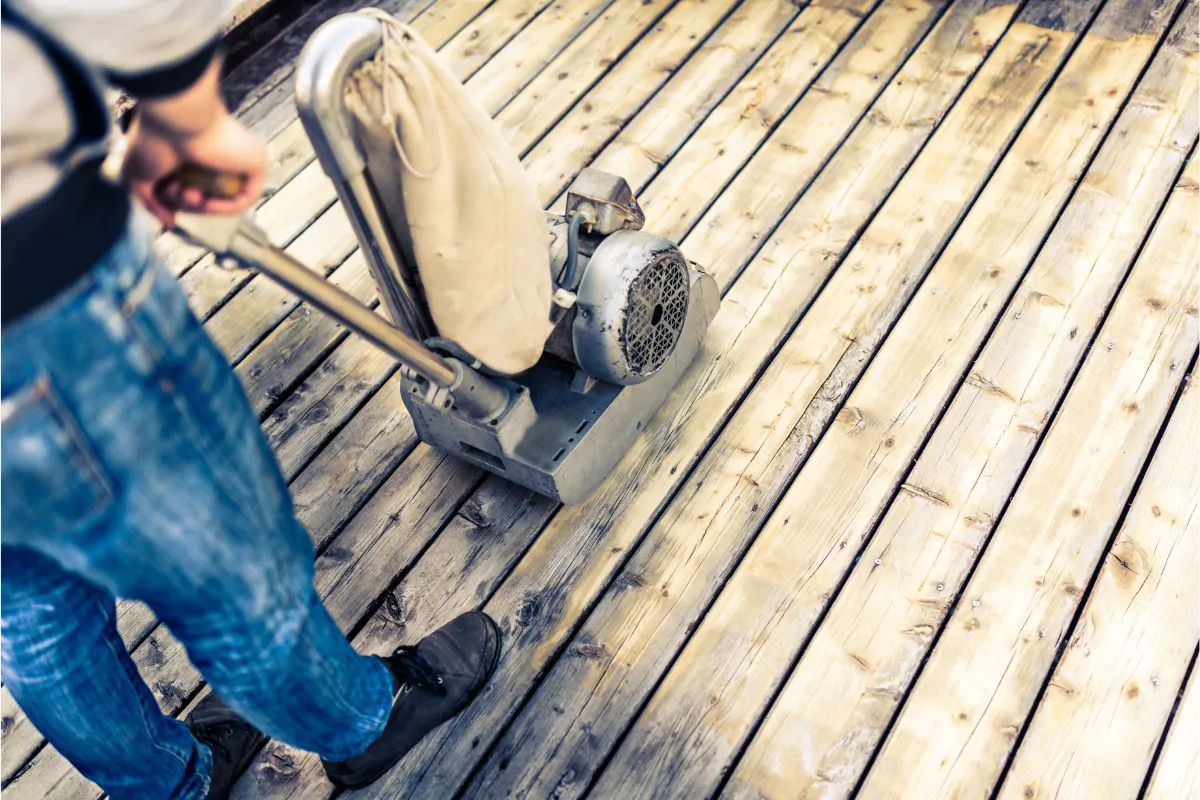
{"type": "Point", "coordinates": [655, 309]}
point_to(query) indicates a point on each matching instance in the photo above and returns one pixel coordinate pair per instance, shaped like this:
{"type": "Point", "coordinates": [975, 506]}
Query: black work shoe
{"type": "Point", "coordinates": [434, 681]}
{"type": "Point", "coordinates": [232, 741]}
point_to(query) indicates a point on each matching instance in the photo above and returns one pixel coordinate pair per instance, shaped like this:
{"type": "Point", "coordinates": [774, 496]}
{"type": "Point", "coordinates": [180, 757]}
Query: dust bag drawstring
{"type": "Point", "coordinates": [395, 47]}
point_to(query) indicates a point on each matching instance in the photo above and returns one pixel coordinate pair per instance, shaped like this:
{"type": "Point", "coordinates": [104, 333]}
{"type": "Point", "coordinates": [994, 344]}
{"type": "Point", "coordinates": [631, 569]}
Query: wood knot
{"type": "Point", "coordinates": [279, 764]}
{"type": "Point", "coordinates": [851, 418]}
{"type": "Point", "coordinates": [473, 513]}
{"type": "Point", "coordinates": [1077, 512]}
{"type": "Point", "coordinates": [1129, 562]}
{"type": "Point", "coordinates": [1132, 691]}
{"type": "Point", "coordinates": [596, 652]}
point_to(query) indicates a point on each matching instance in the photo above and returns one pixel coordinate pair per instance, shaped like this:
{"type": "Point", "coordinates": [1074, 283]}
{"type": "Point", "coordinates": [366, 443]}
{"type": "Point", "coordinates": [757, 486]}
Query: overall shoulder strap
{"type": "Point", "coordinates": [84, 97]}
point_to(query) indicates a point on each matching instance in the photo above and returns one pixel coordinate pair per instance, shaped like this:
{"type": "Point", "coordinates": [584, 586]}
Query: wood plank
{"type": "Point", "coordinates": [738, 126]}
{"type": "Point", "coordinates": [982, 679]}
{"type": "Point", "coordinates": [539, 28]}
{"type": "Point", "coordinates": [577, 554]}
{"type": "Point", "coordinates": [1130, 650]}
{"type": "Point", "coordinates": [589, 35]}
{"type": "Point", "coordinates": [726, 676]}
{"type": "Point", "coordinates": [1175, 774]}
{"type": "Point", "coordinates": [694, 63]}
{"type": "Point", "coordinates": [825, 724]}
{"type": "Point", "coordinates": [611, 666]}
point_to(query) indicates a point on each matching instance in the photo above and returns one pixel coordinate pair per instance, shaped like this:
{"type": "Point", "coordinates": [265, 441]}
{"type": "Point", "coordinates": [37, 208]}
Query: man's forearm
{"type": "Point", "coordinates": [189, 112]}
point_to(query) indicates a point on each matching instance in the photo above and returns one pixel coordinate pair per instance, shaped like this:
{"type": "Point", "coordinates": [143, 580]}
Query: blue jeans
{"type": "Point", "coordinates": [133, 466]}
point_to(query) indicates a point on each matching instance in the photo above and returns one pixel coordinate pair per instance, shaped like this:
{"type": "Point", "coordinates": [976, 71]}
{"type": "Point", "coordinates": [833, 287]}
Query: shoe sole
{"type": "Point", "coordinates": [491, 670]}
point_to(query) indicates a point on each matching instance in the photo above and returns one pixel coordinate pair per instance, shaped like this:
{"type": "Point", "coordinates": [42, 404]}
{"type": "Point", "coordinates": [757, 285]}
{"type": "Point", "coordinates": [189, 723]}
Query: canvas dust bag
{"type": "Point", "coordinates": [459, 201]}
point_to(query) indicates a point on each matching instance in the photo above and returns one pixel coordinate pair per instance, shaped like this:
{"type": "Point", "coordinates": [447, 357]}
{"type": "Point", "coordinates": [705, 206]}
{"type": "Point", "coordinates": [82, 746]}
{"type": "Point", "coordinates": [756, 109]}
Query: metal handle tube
{"type": "Point", "coordinates": [383, 256]}
{"type": "Point", "coordinates": [338, 48]}
{"type": "Point", "coordinates": [294, 276]}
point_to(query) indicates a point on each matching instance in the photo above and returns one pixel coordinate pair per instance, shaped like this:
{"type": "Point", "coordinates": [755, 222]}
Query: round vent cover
{"type": "Point", "coordinates": [655, 309]}
{"type": "Point", "coordinates": [632, 303]}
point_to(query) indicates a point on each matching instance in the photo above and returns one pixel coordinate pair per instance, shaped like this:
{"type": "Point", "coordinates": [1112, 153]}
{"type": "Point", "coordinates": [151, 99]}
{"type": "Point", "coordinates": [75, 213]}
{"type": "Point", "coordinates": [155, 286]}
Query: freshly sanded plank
{"type": "Point", "coordinates": [687, 95]}
{"type": "Point", "coordinates": [717, 150]}
{"type": "Point", "coordinates": [577, 554]}
{"type": "Point", "coordinates": [1110, 697]}
{"type": "Point", "coordinates": [586, 31]}
{"type": "Point", "coordinates": [727, 675]}
{"type": "Point", "coordinates": [828, 720]}
{"type": "Point", "coordinates": [735, 129]}
{"type": "Point", "coordinates": [761, 194]}
{"type": "Point", "coordinates": [1175, 774]}
{"type": "Point", "coordinates": [539, 28]}
{"type": "Point", "coordinates": [972, 697]}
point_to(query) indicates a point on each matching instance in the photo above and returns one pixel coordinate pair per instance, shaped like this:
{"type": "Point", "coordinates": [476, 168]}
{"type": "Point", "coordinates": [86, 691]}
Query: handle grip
{"type": "Point", "coordinates": [219, 185]}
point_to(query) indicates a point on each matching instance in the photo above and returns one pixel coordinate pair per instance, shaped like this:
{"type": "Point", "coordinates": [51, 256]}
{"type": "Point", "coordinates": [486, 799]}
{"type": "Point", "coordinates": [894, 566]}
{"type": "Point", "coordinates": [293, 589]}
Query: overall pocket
{"type": "Point", "coordinates": [53, 482]}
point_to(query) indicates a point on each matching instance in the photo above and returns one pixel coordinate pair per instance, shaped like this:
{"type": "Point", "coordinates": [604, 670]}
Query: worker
{"type": "Point", "coordinates": [133, 464]}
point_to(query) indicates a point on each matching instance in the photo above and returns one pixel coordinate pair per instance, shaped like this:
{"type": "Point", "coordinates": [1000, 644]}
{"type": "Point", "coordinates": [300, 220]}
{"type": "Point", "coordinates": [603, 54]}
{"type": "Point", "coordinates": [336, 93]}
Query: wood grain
{"type": "Point", "coordinates": [830, 716]}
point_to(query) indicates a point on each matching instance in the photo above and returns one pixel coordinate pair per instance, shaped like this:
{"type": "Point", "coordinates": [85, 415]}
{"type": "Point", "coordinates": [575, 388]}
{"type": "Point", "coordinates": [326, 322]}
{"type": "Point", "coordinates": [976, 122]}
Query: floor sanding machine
{"type": "Point", "coordinates": [629, 310]}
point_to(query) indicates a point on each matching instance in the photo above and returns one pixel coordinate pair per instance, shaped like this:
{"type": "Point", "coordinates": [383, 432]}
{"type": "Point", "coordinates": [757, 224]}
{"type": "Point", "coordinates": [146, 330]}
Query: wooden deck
{"type": "Point", "coordinates": [922, 522]}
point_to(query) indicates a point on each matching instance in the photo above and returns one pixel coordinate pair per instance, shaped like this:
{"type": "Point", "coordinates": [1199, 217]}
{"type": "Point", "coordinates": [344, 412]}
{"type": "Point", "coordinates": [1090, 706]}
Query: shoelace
{"type": "Point", "coordinates": [411, 669]}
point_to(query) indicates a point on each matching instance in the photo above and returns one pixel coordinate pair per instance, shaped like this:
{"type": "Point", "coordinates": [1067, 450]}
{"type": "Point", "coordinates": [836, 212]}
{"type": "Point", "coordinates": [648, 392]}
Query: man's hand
{"type": "Point", "coordinates": [192, 128]}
